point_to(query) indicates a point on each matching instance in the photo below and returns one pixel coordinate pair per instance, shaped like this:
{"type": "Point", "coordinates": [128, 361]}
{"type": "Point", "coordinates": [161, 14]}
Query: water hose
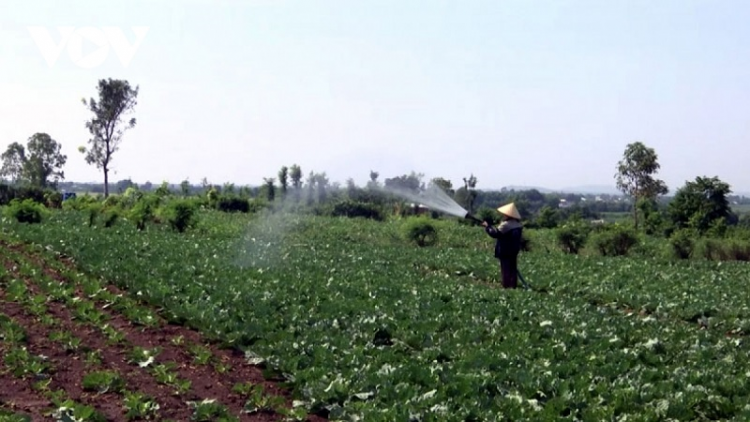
{"type": "Point", "coordinates": [472, 218]}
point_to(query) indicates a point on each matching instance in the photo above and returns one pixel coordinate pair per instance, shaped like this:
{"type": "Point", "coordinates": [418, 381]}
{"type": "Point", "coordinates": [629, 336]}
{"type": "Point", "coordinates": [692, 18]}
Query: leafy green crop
{"type": "Point", "coordinates": [365, 325]}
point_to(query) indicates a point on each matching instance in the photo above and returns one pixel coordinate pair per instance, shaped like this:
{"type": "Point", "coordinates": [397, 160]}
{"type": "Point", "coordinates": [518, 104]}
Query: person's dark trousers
{"type": "Point", "coordinates": [509, 271]}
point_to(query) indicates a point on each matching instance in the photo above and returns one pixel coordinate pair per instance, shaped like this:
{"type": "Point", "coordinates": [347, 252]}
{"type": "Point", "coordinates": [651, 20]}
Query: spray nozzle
{"type": "Point", "coordinates": [472, 218]}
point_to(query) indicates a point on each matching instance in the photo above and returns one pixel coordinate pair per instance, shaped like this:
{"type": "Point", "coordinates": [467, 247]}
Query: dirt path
{"type": "Point", "coordinates": [93, 355]}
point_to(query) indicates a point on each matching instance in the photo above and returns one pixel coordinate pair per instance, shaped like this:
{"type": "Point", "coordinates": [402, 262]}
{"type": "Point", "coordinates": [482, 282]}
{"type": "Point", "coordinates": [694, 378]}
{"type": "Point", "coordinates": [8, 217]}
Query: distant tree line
{"type": "Point", "coordinates": [35, 170]}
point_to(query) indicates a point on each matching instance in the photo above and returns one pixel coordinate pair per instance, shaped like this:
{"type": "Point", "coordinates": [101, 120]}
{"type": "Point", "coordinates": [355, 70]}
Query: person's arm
{"type": "Point", "coordinates": [491, 231]}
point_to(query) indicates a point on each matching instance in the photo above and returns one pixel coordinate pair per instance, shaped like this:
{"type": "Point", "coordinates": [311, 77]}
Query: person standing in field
{"type": "Point", "coordinates": [508, 246]}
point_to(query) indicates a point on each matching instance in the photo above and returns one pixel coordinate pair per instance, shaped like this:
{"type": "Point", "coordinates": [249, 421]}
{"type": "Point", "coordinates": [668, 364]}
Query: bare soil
{"type": "Point", "coordinates": [69, 368]}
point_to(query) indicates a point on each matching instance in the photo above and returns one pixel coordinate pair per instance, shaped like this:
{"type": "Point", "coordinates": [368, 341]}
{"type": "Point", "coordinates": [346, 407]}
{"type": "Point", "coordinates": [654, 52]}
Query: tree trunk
{"type": "Point", "coordinates": [106, 182]}
{"type": "Point", "coordinates": [635, 212]}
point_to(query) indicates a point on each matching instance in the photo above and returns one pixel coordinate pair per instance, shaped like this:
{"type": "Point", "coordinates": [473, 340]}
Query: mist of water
{"type": "Point", "coordinates": [263, 243]}
{"type": "Point", "coordinates": [433, 197]}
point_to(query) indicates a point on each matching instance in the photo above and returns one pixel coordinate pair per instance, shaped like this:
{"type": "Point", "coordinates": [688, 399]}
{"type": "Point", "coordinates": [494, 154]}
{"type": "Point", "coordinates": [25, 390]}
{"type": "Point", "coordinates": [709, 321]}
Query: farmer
{"type": "Point", "coordinates": [508, 245]}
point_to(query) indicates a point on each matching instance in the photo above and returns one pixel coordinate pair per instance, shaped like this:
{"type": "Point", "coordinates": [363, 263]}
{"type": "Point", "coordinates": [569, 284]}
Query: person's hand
{"type": "Point", "coordinates": [484, 224]}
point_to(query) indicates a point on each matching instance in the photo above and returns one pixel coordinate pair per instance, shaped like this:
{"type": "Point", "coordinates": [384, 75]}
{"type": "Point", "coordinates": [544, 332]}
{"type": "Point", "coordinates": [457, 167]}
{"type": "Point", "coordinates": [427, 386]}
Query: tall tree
{"type": "Point", "coordinates": [295, 173]}
{"type": "Point", "coordinates": [116, 99]}
{"type": "Point", "coordinates": [185, 187]}
{"type": "Point", "coordinates": [14, 159]}
{"type": "Point", "coordinates": [38, 164]}
{"type": "Point", "coordinates": [351, 188]}
{"type": "Point", "coordinates": [700, 203]}
{"type": "Point", "coordinates": [408, 182]}
{"type": "Point", "coordinates": [373, 182]}
{"type": "Point", "coordinates": [284, 179]}
{"type": "Point", "coordinates": [322, 184]}
{"type": "Point", "coordinates": [122, 185]}
{"type": "Point", "coordinates": [269, 188]}
{"type": "Point", "coordinates": [635, 175]}
{"type": "Point", "coordinates": [443, 184]}
{"type": "Point", "coordinates": [467, 194]}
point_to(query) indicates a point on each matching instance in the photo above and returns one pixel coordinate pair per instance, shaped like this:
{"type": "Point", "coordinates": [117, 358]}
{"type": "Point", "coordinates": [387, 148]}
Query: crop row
{"type": "Point", "coordinates": [349, 316]}
{"type": "Point", "coordinates": [96, 354]}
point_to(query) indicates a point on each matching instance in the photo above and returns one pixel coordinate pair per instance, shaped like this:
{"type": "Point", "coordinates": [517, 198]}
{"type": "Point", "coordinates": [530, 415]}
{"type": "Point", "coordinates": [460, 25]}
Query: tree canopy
{"type": "Point", "coordinates": [39, 164]}
{"type": "Point", "coordinates": [116, 99]}
{"type": "Point", "coordinates": [635, 174]}
{"type": "Point", "coordinates": [700, 203]}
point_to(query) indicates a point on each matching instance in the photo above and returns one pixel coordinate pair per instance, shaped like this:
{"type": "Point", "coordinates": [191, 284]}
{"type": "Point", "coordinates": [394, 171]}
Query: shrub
{"type": "Point", "coordinates": [25, 211]}
{"type": "Point", "coordinates": [8, 193]}
{"type": "Point", "coordinates": [53, 199]}
{"type": "Point", "coordinates": [93, 210]}
{"type": "Point", "coordinates": [722, 249]}
{"type": "Point", "coordinates": [143, 210]}
{"type": "Point", "coordinates": [420, 231]}
{"type": "Point", "coordinates": [525, 244]}
{"type": "Point", "coordinates": [738, 250]}
{"type": "Point", "coordinates": [130, 197]}
{"type": "Point", "coordinates": [572, 236]}
{"type": "Point", "coordinates": [488, 214]}
{"type": "Point", "coordinates": [80, 202]}
{"type": "Point", "coordinates": [112, 201]}
{"type": "Point", "coordinates": [352, 209]}
{"type": "Point", "coordinates": [615, 241]}
{"type": "Point", "coordinates": [258, 204]}
{"type": "Point", "coordinates": [717, 228]}
{"type": "Point", "coordinates": [548, 217]}
{"type": "Point", "coordinates": [228, 203]}
{"type": "Point", "coordinates": [110, 216]}
{"type": "Point", "coordinates": [181, 214]}
{"type": "Point", "coordinates": [213, 196]}
{"type": "Point", "coordinates": [682, 242]}
{"type": "Point", "coordinates": [738, 232]}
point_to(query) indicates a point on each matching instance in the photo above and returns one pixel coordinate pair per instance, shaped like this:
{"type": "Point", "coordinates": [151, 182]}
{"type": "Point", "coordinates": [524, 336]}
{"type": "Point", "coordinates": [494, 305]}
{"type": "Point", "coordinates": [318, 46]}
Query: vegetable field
{"type": "Point", "coordinates": [359, 324]}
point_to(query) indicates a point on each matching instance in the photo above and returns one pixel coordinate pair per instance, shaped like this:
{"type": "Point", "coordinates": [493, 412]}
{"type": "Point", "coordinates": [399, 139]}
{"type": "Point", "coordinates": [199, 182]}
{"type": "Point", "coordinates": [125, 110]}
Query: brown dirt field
{"type": "Point", "coordinates": [69, 368]}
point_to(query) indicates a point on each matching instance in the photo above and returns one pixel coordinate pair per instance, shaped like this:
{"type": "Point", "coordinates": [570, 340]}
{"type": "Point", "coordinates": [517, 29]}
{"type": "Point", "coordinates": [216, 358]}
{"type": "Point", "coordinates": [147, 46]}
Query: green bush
{"type": "Point", "coordinates": [738, 232]}
{"type": "Point", "coordinates": [547, 218]}
{"type": "Point", "coordinates": [80, 202]}
{"type": "Point", "coordinates": [420, 231]}
{"type": "Point", "coordinates": [722, 249]}
{"type": "Point", "coordinates": [8, 193]}
{"type": "Point", "coordinates": [143, 211]}
{"type": "Point", "coordinates": [131, 197]}
{"type": "Point", "coordinates": [737, 250]}
{"type": "Point", "coordinates": [525, 243]}
{"type": "Point", "coordinates": [25, 211]}
{"type": "Point", "coordinates": [231, 203]}
{"type": "Point", "coordinates": [572, 236]}
{"type": "Point", "coordinates": [53, 199]}
{"type": "Point", "coordinates": [111, 215]}
{"type": "Point", "coordinates": [181, 214]}
{"type": "Point", "coordinates": [93, 210]}
{"type": "Point", "coordinates": [112, 201]}
{"type": "Point", "coordinates": [352, 209]}
{"type": "Point", "coordinates": [258, 205]}
{"type": "Point", "coordinates": [682, 242]}
{"type": "Point", "coordinates": [614, 241]}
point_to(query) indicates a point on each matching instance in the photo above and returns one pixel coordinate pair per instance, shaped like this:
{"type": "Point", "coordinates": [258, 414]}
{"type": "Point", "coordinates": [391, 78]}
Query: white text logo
{"type": "Point", "coordinates": [74, 38]}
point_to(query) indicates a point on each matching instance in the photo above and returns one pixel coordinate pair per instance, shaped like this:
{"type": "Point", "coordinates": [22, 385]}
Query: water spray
{"type": "Point", "coordinates": [435, 198]}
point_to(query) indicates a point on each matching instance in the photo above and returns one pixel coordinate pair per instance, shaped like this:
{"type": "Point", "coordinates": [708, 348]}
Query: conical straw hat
{"type": "Point", "coordinates": [510, 210]}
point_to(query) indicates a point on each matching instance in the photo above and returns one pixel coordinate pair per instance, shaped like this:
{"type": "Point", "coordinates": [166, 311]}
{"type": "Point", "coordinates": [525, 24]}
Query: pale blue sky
{"type": "Point", "coordinates": [544, 93]}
